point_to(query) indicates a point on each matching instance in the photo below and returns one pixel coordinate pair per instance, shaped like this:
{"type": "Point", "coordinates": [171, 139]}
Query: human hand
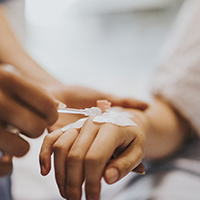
{"type": "Point", "coordinates": [5, 164]}
{"type": "Point", "coordinates": [85, 155]}
{"type": "Point", "coordinates": [82, 97]}
{"type": "Point", "coordinates": [25, 107]}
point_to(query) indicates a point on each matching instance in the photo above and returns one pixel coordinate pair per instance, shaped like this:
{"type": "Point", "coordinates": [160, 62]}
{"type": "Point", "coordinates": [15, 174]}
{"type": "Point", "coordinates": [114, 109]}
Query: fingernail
{"type": "Point", "coordinates": [61, 104]}
{"type": "Point", "coordinates": [112, 175]}
{"type": "Point", "coordinates": [140, 169]}
{"type": "Point", "coordinates": [141, 173]}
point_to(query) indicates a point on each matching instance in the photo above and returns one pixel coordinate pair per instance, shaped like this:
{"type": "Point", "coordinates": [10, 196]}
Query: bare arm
{"type": "Point", "coordinates": [11, 52]}
{"type": "Point", "coordinates": [160, 131]}
{"type": "Point", "coordinates": [167, 130]}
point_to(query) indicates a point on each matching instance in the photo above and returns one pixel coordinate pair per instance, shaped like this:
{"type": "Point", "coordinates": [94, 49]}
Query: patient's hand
{"type": "Point", "coordinates": [83, 97]}
{"type": "Point", "coordinates": [85, 155]}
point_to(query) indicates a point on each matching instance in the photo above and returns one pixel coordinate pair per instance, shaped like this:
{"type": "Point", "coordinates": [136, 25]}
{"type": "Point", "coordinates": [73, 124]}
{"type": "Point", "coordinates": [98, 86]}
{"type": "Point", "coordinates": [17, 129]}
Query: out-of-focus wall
{"type": "Point", "coordinates": [15, 11]}
{"type": "Point", "coordinates": [81, 37]}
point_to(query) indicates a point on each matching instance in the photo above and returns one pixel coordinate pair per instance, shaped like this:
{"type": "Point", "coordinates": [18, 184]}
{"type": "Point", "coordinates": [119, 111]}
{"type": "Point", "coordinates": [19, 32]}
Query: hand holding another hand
{"type": "Point", "coordinates": [83, 97]}
{"type": "Point", "coordinates": [92, 152]}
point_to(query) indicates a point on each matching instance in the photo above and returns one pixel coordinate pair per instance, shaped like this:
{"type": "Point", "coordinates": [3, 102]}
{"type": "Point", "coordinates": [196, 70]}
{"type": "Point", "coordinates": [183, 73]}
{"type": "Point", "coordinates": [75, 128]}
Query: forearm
{"type": "Point", "coordinates": [166, 131]}
{"type": "Point", "coordinates": [11, 52]}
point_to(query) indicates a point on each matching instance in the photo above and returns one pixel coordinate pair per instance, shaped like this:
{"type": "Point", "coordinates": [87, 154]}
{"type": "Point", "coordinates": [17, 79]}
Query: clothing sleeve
{"type": "Point", "coordinates": [177, 79]}
{"type": "Point", "coordinates": [2, 1]}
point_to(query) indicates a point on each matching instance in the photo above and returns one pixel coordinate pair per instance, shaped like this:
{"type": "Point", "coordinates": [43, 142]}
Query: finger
{"type": "Point", "coordinates": [28, 95]}
{"type": "Point", "coordinates": [27, 122]}
{"type": "Point", "coordinates": [63, 120]}
{"type": "Point", "coordinates": [75, 160]}
{"type": "Point", "coordinates": [130, 103]}
{"type": "Point", "coordinates": [108, 139]}
{"type": "Point", "coordinates": [46, 151]}
{"type": "Point", "coordinates": [61, 149]}
{"type": "Point", "coordinates": [38, 102]}
{"type": "Point", "coordinates": [5, 165]}
{"type": "Point", "coordinates": [140, 169]}
{"type": "Point", "coordinates": [124, 163]}
{"type": "Point", "coordinates": [12, 144]}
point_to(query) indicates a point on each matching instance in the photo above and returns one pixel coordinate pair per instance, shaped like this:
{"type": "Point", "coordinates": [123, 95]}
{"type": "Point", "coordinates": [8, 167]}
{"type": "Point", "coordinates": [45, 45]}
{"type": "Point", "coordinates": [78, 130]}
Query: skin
{"type": "Point", "coordinates": [84, 154]}
{"type": "Point", "coordinates": [27, 68]}
{"type": "Point", "coordinates": [73, 96]}
{"type": "Point", "coordinates": [30, 94]}
{"type": "Point", "coordinates": [25, 107]}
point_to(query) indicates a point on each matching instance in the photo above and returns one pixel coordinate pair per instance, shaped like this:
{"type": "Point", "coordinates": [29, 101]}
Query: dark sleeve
{"type": "Point", "coordinates": [3, 1]}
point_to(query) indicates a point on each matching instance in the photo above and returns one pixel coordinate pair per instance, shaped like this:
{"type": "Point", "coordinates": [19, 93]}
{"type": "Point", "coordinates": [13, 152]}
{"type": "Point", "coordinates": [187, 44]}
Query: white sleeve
{"type": "Point", "coordinates": [177, 79]}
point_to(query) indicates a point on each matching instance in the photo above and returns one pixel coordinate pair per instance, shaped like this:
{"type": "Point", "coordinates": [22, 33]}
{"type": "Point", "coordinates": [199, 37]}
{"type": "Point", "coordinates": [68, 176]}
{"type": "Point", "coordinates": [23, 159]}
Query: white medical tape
{"type": "Point", "coordinates": [78, 124]}
{"type": "Point", "coordinates": [117, 118]}
{"type": "Point", "coordinates": [110, 116]}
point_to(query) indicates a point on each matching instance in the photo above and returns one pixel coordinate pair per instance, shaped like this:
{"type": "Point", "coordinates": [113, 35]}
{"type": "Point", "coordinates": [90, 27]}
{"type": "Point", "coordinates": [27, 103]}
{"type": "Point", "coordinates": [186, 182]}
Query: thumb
{"type": "Point", "coordinates": [112, 174]}
{"type": "Point", "coordinates": [127, 160]}
{"type": "Point", "coordinates": [130, 103]}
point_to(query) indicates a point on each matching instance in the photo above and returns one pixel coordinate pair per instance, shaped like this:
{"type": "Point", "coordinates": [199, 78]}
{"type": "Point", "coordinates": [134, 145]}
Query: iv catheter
{"type": "Point", "coordinates": [102, 105]}
{"type": "Point", "coordinates": [87, 111]}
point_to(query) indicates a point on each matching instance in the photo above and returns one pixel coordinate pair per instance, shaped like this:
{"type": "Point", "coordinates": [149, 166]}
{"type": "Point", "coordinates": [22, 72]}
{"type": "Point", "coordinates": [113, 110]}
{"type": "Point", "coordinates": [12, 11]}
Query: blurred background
{"type": "Point", "coordinates": [109, 45]}
{"type": "Point", "coordinates": [99, 43]}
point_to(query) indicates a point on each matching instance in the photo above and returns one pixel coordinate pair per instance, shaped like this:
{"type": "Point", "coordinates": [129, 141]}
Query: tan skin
{"type": "Point", "coordinates": [73, 96]}
{"type": "Point", "coordinates": [82, 155]}
{"type": "Point", "coordinates": [30, 94]}
{"type": "Point", "coordinates": [25, 107]}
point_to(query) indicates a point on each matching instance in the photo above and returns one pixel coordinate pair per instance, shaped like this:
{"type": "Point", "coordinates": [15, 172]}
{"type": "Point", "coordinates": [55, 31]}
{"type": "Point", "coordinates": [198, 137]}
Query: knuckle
{"type": "Point", "coordinates": [73, 192]}
{"type": "Point", "coordinates": [56, 149]}
{"type": "Point", "coordinates": [59, 147]}
{"type": "Point", "coordinates": [75, 157]}
{"type": "Point", "coordinates": [124, 167]}
{"type": "Point", "coordinates": [127, 165]}
{"type": "Point", "coordinates": [139, 151]}
{"type": "Point", "coordinates": [89, 121]}
{"type": "Point", "coordinates": [48, 138]}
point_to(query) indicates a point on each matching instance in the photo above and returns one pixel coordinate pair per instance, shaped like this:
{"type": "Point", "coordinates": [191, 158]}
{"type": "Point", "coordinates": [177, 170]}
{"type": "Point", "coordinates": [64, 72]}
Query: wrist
{"type": "Point", "coordinates": [141, 119]}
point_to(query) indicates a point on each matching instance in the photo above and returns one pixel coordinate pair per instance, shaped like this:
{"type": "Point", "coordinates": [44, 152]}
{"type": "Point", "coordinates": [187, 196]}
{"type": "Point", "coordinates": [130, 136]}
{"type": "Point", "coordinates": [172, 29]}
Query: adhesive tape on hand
{"type": "Point", "coordinates": [110, 116]}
